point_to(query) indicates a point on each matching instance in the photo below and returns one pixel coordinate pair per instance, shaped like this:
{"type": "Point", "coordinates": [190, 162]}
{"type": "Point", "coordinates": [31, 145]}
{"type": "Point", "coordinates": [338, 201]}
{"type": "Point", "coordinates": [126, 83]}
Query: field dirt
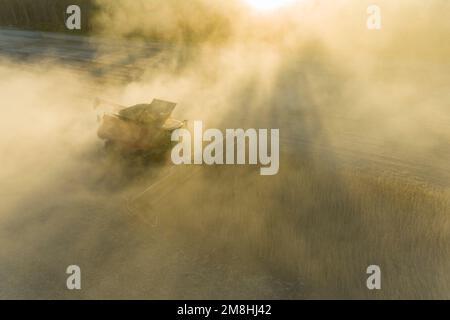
{"type": "Point", "coordinates": [364, 174]}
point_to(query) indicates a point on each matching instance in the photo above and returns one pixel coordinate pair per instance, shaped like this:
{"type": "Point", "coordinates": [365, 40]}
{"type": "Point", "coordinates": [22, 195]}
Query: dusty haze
{"type": "Point", "coordinates": [364, 174]}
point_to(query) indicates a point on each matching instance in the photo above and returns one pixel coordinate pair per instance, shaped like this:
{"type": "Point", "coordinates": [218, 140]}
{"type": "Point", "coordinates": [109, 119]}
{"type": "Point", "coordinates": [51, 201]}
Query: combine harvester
{"type": "Point", "coordinates": [143, 129]}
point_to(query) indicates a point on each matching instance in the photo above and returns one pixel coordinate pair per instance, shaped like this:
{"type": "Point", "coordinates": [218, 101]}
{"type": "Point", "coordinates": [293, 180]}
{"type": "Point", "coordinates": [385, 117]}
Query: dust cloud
{"type": "Point", "coordinates": [364, 174]}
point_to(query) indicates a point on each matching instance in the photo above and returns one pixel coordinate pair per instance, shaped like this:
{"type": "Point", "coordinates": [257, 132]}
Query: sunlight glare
{"type": "Point", "coordinates": [269, 4]}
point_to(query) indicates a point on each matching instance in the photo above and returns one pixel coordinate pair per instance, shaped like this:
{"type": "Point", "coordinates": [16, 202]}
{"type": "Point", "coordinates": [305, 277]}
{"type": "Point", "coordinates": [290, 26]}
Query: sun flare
{"type": "Point", "coordinates": [269, 4]}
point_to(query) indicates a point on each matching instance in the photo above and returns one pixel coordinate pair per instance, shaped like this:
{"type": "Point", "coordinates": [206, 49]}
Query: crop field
{"type": "Point", "coordinates": [364, 152]}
